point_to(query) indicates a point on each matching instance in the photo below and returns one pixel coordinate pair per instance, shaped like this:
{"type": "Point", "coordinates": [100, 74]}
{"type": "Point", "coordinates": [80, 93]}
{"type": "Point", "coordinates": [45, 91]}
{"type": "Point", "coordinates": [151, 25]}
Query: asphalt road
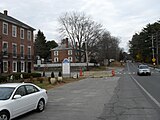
{"type": "Point", "coordinates": [129, 102]}
{"type": "Point", "coordinates": [108, 98]}
{"type": "Point", "coordinates": [150, 83]}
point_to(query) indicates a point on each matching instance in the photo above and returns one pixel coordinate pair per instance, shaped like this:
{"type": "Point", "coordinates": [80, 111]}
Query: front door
{"type": "Point", "coordinates": [29, 67]}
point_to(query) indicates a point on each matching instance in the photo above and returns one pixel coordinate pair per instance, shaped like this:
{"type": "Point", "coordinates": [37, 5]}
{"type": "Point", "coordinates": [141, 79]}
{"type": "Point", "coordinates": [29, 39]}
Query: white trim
{"type": "Point", "coordinates": [21, 33]}
{"type": "Point", "coordinates": [4, 23]}
{"type": "Point", "coordinates": [55, 53]}
{"type": "Point", "coordinates": [56, 59]}
{"type": "Point", "coordinates": [13, 50]}
{"type": "Point", "coordinates": [29, 55]}
{"type": "Point", "coordinates": [3, 66]}
{"type": "Point", "coordinates": [22, 68]}
{"type": "Point", "coordinates": [23, 51]}
{"type": "Point", "coordinates": [14, 68]}
{"type": "Point", "coordinates": [6, 50]}
{"type": "Point", "coordinates": [29, 35]}
{"type": "Point", "coordinates": [70, 52]}
{"type": "Point", "coordinates": [70, 59]}
{"type": "Point", "coordinates": [14, 31]}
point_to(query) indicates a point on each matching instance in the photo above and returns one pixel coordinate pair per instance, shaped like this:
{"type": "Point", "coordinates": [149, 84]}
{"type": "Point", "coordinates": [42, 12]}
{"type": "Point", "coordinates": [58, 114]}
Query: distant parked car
{"type": "Point", "coordinates": [19, 98]}
{"type": "Point", "coordinates": [143, 70]}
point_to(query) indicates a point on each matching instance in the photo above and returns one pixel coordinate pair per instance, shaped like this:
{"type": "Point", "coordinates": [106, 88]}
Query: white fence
{"type": "Point", "coordinates": [60, 65]}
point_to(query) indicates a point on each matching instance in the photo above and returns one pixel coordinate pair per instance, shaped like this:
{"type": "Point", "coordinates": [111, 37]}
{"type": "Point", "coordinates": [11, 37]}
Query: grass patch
{"type": "Point", "coordinates": [100, 68]}
{"type": "Point", "coordinates": [116, 64]}
{"type": "Point", "coordinates": [46, 84]}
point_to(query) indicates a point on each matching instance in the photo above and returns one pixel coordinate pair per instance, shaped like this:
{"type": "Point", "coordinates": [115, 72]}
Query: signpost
{"type": "Point", "coordinates": [66, 67]}
{"type": "Point", "coordinates": [153, 60]}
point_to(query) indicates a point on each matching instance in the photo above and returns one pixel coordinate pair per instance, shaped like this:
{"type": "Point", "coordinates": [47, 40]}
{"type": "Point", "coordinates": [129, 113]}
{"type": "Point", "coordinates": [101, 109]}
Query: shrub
{"type": "Point", "coordinates": [52, 75]}
{"type": "Point", "coordinates": [28, 75]}
{"type": "Point", "coordinates": [3, 79]}
{"type": "Point", "coordinates": [16, 76]}
{"type": "Point", "coordinates": [60, 74]}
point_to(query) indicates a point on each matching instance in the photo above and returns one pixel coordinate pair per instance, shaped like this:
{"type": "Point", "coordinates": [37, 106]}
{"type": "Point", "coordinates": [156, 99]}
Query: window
{"type": "Point", "coordinates": [14, 50]}
{"type": "Point", "coordinates": [56, 59]}
{"type": "Point", "coordinates": [22, 51]}
{"type": "Point", "coordinates": [22, 66]}
{"type": "Point", "coordinates": [14, 66]}
{"type": "Point", "coordinates": [55, 53]}
{"type": "Point", "coordinates": [14, 31]}
{"type": "Point", "coordinates": [5, 66]}
{"type": "Point", "coordinates": [5, 28]}
{"type": "Point", "coordinates": [70, 59]}
{"type": "Point", "coordinates": [31, 89]}
{"type": "Point", "coordinates": [22, 33]}
{"type": "Point", "coordinates": [29, 52]}
{"type": "Point", "coordinates": [6, 92]}
{"type": "Point", "coordinates": [69, 52]}
{"type": "Point", "coordinates": [21, 91]}
{"type": "Point", "coordinates": [5, 49]}
{"type": "Point", "coordinates": [29, 35]}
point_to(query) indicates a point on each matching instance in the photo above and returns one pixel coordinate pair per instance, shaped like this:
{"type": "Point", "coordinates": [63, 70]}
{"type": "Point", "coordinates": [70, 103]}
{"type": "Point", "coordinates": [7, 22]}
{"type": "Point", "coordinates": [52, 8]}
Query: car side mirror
{"type": "Point", "coordinates": [17, 96]}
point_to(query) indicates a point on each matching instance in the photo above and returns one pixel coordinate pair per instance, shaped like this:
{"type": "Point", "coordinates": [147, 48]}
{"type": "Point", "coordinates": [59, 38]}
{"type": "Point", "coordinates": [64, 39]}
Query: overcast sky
{"type": "Point", "coordinates": [122, 18]}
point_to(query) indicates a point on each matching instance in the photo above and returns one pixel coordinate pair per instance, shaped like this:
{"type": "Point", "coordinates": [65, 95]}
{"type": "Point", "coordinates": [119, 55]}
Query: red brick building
{"type": "Point", "coordinates": [16, 45]}
{"type": "Point", "coordinates": [65, 50]}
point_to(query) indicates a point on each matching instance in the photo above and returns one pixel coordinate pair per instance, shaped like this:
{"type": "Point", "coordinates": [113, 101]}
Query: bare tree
{"type": "Point", "coordinates": [80, 29]}
{"type": "Point", "coordinates": [107, 47]}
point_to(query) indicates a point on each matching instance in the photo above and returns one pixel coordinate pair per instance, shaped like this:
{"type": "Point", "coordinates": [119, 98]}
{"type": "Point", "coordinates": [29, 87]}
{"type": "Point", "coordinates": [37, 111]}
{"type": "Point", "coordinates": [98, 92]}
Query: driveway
{"type": "Point", "coordinates": [82, 100]}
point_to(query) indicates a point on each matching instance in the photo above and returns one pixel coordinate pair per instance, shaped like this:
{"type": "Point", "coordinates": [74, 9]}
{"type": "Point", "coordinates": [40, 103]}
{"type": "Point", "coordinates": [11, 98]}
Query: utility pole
{"type": "Point", "coordinates": [157, 48]}
{"type": "Point", "coordinates": [152, 47]}
{"type": "Point", "coordinates": [86, 55]}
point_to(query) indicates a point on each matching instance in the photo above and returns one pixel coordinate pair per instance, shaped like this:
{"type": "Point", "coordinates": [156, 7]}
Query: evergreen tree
{"type": "Point", "coordinates": [40, 45]}
{"type": "Point", "coordinates": [140, 47]}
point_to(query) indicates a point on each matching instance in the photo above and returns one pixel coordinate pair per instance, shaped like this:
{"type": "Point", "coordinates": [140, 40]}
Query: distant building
{"type": "Point", "coordinates": [16, 45]}
{"type": "Point", "coordinates": [65, 50]}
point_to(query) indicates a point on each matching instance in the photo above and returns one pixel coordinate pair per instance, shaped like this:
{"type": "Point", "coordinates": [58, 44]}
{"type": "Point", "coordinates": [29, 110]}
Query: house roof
{"type": "Point", "coordinates": [14, 21]}
{"type": "Point", "coordinates": [62, 47]}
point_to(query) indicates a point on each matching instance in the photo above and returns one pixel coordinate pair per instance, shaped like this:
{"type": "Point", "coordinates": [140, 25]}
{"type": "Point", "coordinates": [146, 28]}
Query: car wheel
{"type": "Point", "coordinates": [41, 105]}
{"type": "Point", "coordinates": [4, 115]}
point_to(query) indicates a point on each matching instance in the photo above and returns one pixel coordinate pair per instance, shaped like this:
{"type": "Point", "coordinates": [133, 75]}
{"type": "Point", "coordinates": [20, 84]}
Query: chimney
{"type": "Point", "coordinates": [66, 42]}
{"type": "Point", "coordinates": [5, 12]}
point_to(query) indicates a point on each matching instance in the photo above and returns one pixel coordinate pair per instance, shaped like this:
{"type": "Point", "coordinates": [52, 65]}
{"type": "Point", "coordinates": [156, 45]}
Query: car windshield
{"type": "Point", "coordinates": [143, 67]}
{"type": "Point", "coordinates": [5, 92]}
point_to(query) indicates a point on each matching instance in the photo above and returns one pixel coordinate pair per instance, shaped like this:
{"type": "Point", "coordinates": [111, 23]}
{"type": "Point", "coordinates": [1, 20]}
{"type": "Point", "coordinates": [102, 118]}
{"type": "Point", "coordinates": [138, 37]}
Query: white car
{"type": "Point", "coordinates": [19, 98]}
{"type": "Point", "coordinates": [143, 70]}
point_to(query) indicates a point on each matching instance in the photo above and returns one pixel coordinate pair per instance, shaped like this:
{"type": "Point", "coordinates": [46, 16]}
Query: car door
{"type": "Point", "coordinates": [33, 95]}
{"type": "Point", "coordinates": [19, 106]}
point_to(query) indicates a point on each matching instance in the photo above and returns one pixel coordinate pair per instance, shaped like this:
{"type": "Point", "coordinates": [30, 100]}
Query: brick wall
{"type": "Point", "coordinates": [17, 40]}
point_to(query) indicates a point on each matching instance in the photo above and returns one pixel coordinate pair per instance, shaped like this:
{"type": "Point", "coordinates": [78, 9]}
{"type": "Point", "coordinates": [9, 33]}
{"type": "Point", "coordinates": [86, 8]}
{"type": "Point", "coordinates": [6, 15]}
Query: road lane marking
{"type": "Point", "coordinates": [151, 97]}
